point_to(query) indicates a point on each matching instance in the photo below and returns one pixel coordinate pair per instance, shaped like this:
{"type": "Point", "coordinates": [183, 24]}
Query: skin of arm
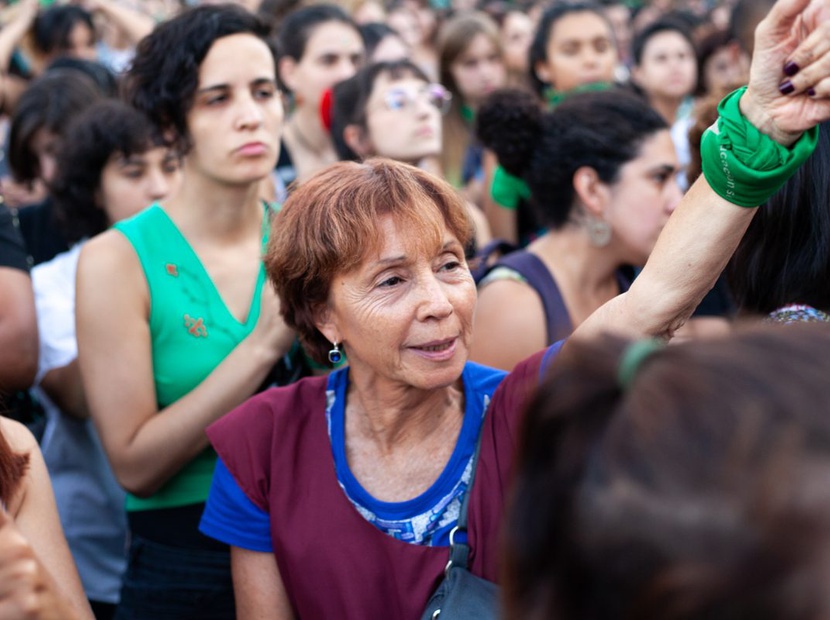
{"type": "Point", "coordinates": [11, 87]}
{"type": "Point", "coordinates": [258, 587]}
{"type": "Point", "coordinates": [18, 330]}
{"type": "Point", "coordinates": [38, 578]}
{"type": "Point", "coordinates": [14, 31]}
{"type": "Point", "coordinates": [146, 447]}
{"type": "Point", "coordinates": [503, 306]}
{"type": "Point", "coordinates": [702, 234]}
{"type": "Point", "coordinates": [135, 25]}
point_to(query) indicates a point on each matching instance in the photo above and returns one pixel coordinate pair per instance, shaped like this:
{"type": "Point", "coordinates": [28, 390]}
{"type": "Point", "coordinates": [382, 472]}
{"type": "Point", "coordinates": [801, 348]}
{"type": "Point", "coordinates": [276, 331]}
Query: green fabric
{"type": "Point", "coordinates": [743, 165]}
{"type": "Point", "coordinates": [554, 97]}
{"type": "Point", "coordinates": [508, 190]}
{"type": "Point", "coordinates": [191, 331]}
{"type": "Point", "coordinates": [633, 357]}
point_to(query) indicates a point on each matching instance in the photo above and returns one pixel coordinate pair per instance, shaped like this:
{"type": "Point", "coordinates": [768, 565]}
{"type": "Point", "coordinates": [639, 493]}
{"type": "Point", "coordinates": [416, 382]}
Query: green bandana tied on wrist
{"type": "Point", "coordinates": [744, 166]}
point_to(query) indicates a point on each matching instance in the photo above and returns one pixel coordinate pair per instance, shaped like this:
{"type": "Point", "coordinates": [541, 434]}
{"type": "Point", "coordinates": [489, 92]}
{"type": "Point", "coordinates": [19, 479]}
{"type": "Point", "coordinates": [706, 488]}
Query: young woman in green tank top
{"type": "Point", "coordinates": [175, 323]}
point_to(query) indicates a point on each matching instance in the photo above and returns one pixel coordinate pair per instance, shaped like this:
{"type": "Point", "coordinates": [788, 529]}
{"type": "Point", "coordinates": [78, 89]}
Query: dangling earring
{"type": "Point", "coordinates": [599, 231]}
{"type": "Point", "coordinates": [335, 355]}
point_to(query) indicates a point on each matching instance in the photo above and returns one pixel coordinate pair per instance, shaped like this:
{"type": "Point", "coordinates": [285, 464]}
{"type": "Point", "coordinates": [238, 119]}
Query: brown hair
{"type": "Point", "coordinates": [12, 468]}
{"type": "Point", "coordinates": [333, 220]}
{"type": "Point", "coordinates": [453, 40]}
{"type": "Point", "coordinates": [698, 492]}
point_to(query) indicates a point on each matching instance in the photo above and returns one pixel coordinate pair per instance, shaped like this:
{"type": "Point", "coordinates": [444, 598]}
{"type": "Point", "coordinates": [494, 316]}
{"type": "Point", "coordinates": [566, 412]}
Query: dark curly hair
{"type": "Point", "coordinates": [601, 130]}
{"type": "Point", "coordinates": [104, 129]}
{"type": "Point", "coordinates": [164, 76]}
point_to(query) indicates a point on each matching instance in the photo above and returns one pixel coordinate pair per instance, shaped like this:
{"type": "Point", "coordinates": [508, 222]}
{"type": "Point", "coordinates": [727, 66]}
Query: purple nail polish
{"type": "Point", "coordinates": [790, 69]}
{"type": "Point", "coordinates": [786, 88]}
{"type": "Point", "coordinates": [811, 91]}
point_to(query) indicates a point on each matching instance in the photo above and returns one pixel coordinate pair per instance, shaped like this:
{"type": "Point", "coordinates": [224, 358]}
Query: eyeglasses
{"type": "Point", "coordinates": [399, 98]}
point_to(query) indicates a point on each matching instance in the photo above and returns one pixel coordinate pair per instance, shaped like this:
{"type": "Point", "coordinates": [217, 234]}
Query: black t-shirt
{"type": "Point", "coordinates": [12, 249]}
{"type": "Point", "coordinates": [41, 232]}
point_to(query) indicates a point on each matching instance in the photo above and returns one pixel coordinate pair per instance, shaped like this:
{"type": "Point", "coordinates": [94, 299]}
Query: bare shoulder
{"type": "Point", "coordinates": [20, 441]}
{"type": "Point", "coordinates": [19, 438]}
{"type": "Point", "coordinates": [513, 297]}
{"type": "Point", "coordinates": [108, 252]}
{"type": "Point", "coordinates": [109, 266]}
{"type": "Point", "coordinates": [510, 324]}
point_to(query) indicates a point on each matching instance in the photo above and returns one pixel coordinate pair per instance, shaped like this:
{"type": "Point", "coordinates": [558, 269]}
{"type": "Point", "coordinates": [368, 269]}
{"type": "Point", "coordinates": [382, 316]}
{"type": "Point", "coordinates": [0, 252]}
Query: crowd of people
{"type": "Point", "coordinates": [306, 305]}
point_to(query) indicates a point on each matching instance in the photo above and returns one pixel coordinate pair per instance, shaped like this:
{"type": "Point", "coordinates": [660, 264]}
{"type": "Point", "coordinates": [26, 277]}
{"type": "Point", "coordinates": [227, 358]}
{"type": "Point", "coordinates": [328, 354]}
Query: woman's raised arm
{"type": "Point", "coordinates": [704, 231]}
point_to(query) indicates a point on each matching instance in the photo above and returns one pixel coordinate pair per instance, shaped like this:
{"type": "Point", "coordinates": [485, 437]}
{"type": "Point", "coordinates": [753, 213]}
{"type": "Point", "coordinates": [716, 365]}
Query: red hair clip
{"type": "Point", "coordinates": [325, 109]}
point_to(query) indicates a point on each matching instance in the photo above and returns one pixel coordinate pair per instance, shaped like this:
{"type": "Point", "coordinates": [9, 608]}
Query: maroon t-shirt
{"type": "Point", "coordinates": [334, 563]}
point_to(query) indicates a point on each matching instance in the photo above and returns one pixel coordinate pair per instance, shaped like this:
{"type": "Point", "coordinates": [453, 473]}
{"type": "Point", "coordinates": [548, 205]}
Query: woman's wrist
{"type": "Point", "coordinates": [763, 121]}
{"type": "Point", "coordinates": [745, 157]}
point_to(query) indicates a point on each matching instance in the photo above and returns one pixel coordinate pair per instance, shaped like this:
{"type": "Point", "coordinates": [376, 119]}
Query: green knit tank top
{"type": "Point", "coordinates": [191, 331]}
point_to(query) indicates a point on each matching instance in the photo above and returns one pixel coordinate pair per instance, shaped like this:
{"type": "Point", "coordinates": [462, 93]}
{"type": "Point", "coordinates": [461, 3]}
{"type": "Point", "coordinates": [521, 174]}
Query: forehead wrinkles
{"type": "Point", "coordinates": [421, 234]}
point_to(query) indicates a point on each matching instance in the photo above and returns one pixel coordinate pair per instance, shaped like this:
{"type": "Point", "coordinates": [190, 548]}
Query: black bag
{"type": "Point", "coordinates": [462, 595]}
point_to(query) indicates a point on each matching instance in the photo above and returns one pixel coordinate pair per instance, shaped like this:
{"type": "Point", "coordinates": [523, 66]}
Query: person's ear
{"type": "Point", "coordinates": [635, 74]}
{"type": "Point", "coordinates": [356, 139]}
{"type": "Point", "coordinates": [593, 194]}
{"type": "Point", "coordinates": [325, 321]}
{"type": "Point", "coordinates": [543, 72]}
{"type": "Point", "coordinates": [287, 70]}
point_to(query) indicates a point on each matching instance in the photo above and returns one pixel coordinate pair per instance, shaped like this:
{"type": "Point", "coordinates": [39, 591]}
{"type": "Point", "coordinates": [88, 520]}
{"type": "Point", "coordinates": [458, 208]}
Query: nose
{"type": "Point", "coordinates": [434, 303]}
{"type": "Point", "coordinates": [423, 106]}
{"type": "Point", "coordinates": [249, 113]}
{"type": "Point", "coordinates": [346, 68]}
{"type": "Point", "coordinates": [158, 185]}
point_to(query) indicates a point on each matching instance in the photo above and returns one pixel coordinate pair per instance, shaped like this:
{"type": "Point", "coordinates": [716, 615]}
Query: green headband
{"type": "Point", "coordinates": [633, 357]}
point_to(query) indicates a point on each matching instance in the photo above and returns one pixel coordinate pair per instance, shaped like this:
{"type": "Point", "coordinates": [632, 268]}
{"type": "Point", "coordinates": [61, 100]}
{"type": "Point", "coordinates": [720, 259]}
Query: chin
{"type": "Point", "coordinates": [438, 378]}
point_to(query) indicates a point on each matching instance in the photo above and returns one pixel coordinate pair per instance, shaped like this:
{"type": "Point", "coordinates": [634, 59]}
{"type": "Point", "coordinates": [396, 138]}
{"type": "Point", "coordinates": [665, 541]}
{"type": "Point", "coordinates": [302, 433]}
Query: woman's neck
{"type": "Point", "coordinates": [666, 107]}
{"type": "Point", "coordinates": [585, 274]}
{"type": "Point", "coordinates": [306, 131]}
{"type": "Point", "coordinates": [392, 416]}
{"type": "Point", "coordinates": [203, 207]}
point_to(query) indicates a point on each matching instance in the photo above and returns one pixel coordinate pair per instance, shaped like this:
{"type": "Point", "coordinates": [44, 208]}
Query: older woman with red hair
{"type": "Point", "coordinates": [339, 495]}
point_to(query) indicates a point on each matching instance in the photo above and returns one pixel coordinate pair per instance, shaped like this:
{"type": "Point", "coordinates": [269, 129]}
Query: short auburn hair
{"type": "Point", "coordinates": [330, 223]}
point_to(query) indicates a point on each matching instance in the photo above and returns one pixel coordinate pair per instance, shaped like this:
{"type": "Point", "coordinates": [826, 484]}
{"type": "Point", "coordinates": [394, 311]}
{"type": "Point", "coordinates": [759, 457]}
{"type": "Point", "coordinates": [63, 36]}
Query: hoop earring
{"type": "Point", "coordinates": [335, 356]}
{"type": "Point", "coordinates": [599, 231]}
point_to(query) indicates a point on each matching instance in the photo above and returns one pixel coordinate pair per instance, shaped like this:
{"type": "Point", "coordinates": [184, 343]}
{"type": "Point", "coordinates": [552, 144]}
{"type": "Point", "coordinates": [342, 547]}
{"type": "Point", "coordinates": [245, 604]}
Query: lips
{"type": "Point", "coordinates": [436, 348]}
{"type": "Point", "coordinates": [253, 149]}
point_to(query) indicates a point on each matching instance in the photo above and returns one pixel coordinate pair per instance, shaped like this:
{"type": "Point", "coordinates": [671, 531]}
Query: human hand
{"type": "Point", "coordinates": [92, 6]}
{"type": "Point", "coordinates": [789, 83]}
{"type": "Point", "coordinates": [27, 591]}
{"type": "Point", "coordinates": [28, 10]}
{"type": "Point", "coordinates": [271, 332]}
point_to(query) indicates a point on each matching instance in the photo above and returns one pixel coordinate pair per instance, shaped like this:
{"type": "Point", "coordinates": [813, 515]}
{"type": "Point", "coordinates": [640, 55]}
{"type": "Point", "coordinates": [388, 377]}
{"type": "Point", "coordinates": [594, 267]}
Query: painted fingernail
{"type": "Point", "coordinates": [811, 91]}
{"type": "Point", "coordinates": [791, 69]}
{"type": "Point", "coordinates": [786, 88]}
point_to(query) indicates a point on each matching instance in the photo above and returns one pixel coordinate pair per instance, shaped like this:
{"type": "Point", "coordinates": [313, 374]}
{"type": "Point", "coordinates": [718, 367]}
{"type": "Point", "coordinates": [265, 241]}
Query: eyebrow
{"type": "Point", "coordinates": [664, 168]}
{"type": "Point", "coordinates": [218, 87]}
{"type": "Point", "coordinates": [129, 160]}
{"type": "Point", "coordinates": [402, 258]}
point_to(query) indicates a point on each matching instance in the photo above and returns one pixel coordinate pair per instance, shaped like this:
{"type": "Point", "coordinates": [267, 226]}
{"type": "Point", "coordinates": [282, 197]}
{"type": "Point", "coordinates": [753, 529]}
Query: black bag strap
{"type": "Point", "coordinates": [532, 269]}
{"type": "Point", "coordinates": [460, 551]}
